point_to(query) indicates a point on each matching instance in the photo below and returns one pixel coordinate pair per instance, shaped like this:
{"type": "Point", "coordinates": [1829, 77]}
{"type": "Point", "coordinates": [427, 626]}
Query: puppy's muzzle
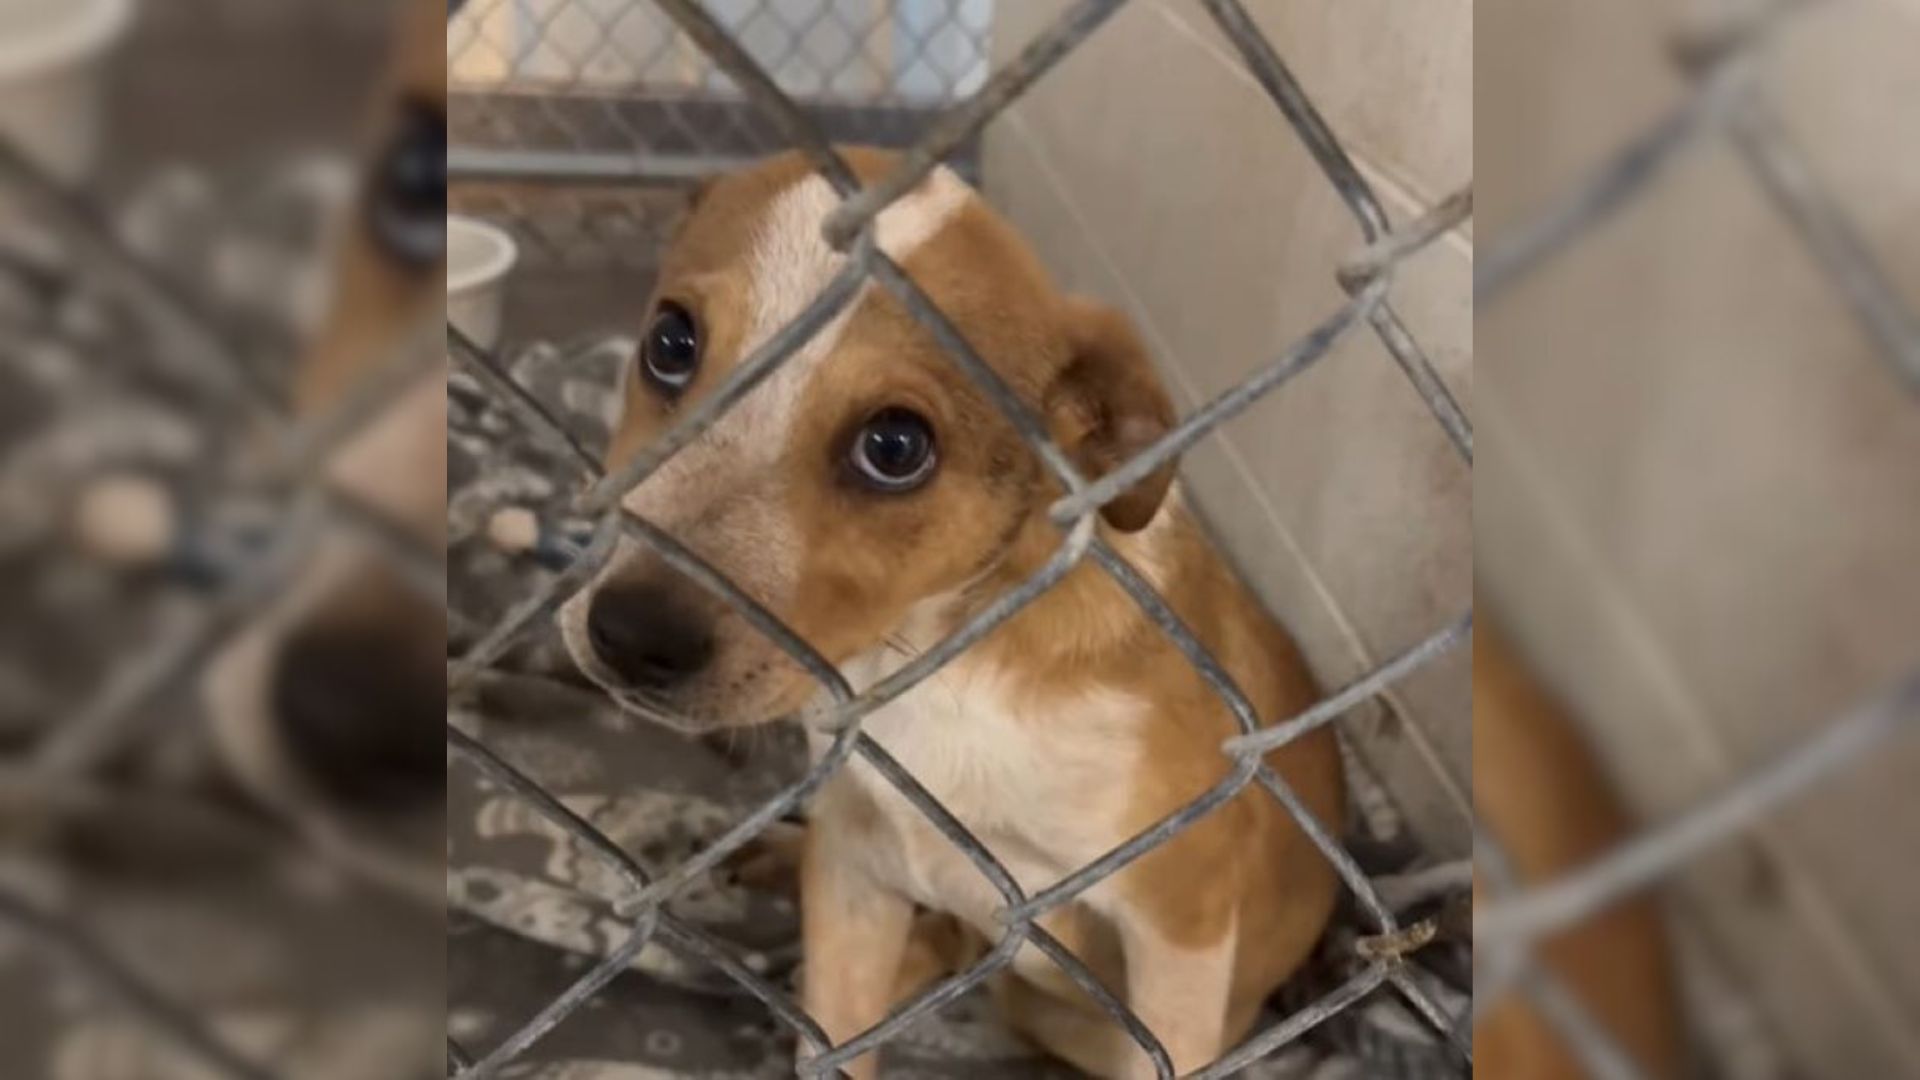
{"type": "Point", "coordinates": [650, 638]}
{"type": "Point", "coordinates": [361, 717]}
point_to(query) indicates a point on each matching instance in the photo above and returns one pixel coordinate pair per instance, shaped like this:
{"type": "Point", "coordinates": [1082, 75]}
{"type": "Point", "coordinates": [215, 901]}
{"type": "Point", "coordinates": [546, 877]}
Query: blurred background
{"type": "Point", "coordinates": [579, 122]}
{"type": "Point", "coordinates": [177, 899]}
{"type": "Point", "coordinates": [1698, 507]}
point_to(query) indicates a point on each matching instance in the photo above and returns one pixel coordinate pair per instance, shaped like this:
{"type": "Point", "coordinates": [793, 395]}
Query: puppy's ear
{"type": "Point", "coordinates": [1107, 405]}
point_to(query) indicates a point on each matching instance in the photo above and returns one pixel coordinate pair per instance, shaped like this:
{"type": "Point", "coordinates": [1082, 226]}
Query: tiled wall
{"type": "Point", "coordinates": [1696, 497]}
{"type": "Point", "coordinates": [1697, 491]}
{"type": "Point", "coordinates": [1152, 172]}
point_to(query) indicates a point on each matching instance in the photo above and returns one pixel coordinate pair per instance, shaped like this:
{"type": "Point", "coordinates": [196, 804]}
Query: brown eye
{"type": "Point", "coordinates": [670, 353]}
{"type": "Point", "coordinates": [893, 450]}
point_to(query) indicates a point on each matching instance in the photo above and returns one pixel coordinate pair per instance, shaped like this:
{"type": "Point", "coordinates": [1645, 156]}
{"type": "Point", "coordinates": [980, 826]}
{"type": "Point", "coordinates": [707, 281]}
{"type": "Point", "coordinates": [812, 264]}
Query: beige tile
{"type": "Point", "coordinates": [1857, 134]}
{"type": "Point", "coordinates": [1736, 448]}
{"type": "Point", "coordinates": [1394, 80]}
{"type": "Point", "coordinates": [1696, 498]}
{"type": "Point", "coordinates": [1559, 84]}
{"type": "Point", "coordinates": [1337, 494]}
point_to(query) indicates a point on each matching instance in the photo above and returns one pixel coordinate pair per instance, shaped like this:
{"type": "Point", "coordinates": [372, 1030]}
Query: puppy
{"type": "Point", "coordinates": [1543, 797]}
{"type": "Point", "coordinates": [871, 497]}
{"type": "Point", "coordinates": [330, 705]}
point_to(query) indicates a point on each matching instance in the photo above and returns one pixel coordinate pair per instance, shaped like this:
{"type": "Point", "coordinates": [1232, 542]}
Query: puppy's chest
{"type": "Point", "coordinates": [1043, 783]}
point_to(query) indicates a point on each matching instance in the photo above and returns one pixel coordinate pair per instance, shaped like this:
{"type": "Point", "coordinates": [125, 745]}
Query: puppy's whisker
{"type": "Point", "coordinates": [649, 708]}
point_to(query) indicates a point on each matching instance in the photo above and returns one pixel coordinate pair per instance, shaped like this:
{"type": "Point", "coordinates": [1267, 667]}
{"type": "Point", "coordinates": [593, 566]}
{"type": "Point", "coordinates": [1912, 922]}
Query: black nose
{"type": "Point", "coordinates": [647, 637]}
{"type": "Point", "coordinates": [362, 717]}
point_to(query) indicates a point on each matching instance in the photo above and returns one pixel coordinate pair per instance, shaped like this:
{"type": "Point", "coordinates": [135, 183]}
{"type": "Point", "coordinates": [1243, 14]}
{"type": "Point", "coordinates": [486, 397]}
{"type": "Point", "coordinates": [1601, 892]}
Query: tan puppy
{"type": "Point", "coordinates": [1541, 795]}
{"type": "Point", "coordinates": [330, 705]}
{"type": "Point", "coordinates": [874, 499]}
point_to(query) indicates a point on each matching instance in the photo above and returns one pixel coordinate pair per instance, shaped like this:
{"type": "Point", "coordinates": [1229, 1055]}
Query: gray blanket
{"type": "Point", "coordinates": [662, 797]}
{"type": "Point", "coordinates": [219, 910]}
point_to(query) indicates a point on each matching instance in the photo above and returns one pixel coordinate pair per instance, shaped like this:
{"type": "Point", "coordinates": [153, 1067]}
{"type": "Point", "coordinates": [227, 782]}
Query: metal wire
{"type": "Point", "coordinates": [1725, 101]}
{"type": "Point", "coordinates": [574, 91]}
{"type": "Point", "coordinates": [217, 362]}
{"type": "Point", "coordinates": [66, 943]}
{"type": "Point", "coordinates": [120, 715]}
{"type": "Point", "coordinates": [1650, 856]}
{"type": "Point", "coordinates": [1366, 276]}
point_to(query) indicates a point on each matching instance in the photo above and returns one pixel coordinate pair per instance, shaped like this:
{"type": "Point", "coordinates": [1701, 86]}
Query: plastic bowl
{"type": "Point", "coordinates": [479, 256]}
{"type": "Point", "coordinates": [52, 68]}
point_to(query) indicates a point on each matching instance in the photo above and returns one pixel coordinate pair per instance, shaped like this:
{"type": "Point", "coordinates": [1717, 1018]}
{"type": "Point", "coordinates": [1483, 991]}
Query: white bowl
{"type": "Point", "coordinates": [52, 55]}
{"type": "Point", "coordinates": [479, 256]}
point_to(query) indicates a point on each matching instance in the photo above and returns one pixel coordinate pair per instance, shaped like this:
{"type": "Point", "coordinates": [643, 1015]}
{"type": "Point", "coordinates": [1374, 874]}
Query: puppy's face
{"type": "Point", "coordinates": [330, 704]}
{"type": "Point", "coordinates": [867, 481]}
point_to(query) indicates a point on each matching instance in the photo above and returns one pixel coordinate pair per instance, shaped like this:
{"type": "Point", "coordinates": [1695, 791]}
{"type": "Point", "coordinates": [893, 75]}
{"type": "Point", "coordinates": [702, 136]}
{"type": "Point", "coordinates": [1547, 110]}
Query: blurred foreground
{"type": "Point", "coordinates": [193, 882]}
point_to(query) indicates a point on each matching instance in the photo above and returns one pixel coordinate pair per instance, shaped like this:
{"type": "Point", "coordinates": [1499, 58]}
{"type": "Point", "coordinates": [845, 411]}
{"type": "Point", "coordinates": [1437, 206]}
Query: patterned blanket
{"type": "Point", "coordinates": [662, 797]}
{"type": "Point", "coordinates": [296, 965]}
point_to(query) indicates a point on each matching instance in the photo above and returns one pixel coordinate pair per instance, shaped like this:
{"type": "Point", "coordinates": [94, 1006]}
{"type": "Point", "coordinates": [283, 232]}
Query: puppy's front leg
{"type": "Point", "coordinates": [854, 932]}
{"type": "Point", "coordinates": [1180, 989]}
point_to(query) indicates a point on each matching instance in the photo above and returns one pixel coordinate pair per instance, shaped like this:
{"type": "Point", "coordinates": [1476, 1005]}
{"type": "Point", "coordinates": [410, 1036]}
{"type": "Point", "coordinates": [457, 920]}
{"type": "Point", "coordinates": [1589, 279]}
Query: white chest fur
{"type": "Point", "coordinates": [1043, 784]}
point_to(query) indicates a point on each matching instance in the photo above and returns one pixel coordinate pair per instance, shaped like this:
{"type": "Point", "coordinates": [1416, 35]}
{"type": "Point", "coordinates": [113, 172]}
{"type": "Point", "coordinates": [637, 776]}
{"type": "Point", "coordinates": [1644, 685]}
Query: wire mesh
{"type": "Point", "coordinates": [609, 96]}
{"type": "Point", "coordinates": [1724, 101]}
{"type": "Point", "coordinates": [127, 349]}
{"type": "Point", "coordinates": [68, 763]}
{"type": "Point", "coordinates": [849, 228]}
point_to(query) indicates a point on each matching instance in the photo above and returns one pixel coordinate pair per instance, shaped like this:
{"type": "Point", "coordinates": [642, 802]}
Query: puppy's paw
{"type": "Point", "coordinates": [770, 862]}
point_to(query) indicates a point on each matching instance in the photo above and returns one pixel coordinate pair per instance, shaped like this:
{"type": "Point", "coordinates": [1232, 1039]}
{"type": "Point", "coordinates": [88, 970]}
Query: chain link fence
{"type": "Point", "coordinates": [576, 123]}
{"type": "Point", "coordinates": [136, 360]}
{"type": "Point", "coordinates": [1366, 278]}
{"type": "Point", "coordinates": [70, 765]}
{"type": "Point", "coordinates": [610, 88]}
{"type": "Point", "coordinates": [1726, 103]}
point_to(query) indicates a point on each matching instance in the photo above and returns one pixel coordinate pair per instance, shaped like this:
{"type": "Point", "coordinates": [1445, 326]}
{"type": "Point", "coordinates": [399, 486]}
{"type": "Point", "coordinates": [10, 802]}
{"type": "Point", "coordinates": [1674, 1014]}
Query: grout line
{"type": "Point", "coordinates": [1429, 753]}
{"type": "Point", "coordinates": [1685, 711]}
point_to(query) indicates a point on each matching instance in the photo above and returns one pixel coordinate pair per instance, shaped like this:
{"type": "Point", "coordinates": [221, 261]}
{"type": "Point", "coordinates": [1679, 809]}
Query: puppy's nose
{"type": "Point", "coordinates": [362, 718]}
{"type": "Point", "coordinates": [647, 637]}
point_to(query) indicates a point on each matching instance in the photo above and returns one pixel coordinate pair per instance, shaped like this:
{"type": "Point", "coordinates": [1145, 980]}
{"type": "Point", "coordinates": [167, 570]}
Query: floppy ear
{"type": "Point", "coordinates": [1107, 405]}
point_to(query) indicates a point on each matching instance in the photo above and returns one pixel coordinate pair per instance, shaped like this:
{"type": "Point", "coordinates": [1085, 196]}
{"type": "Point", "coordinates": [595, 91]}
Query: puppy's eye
{"type": "Point", "coordinates": [670, 353]}
{"type": "Point", "coordinates": [894, 450]}
{"type": "Point", "coordinates": [406, 195]}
